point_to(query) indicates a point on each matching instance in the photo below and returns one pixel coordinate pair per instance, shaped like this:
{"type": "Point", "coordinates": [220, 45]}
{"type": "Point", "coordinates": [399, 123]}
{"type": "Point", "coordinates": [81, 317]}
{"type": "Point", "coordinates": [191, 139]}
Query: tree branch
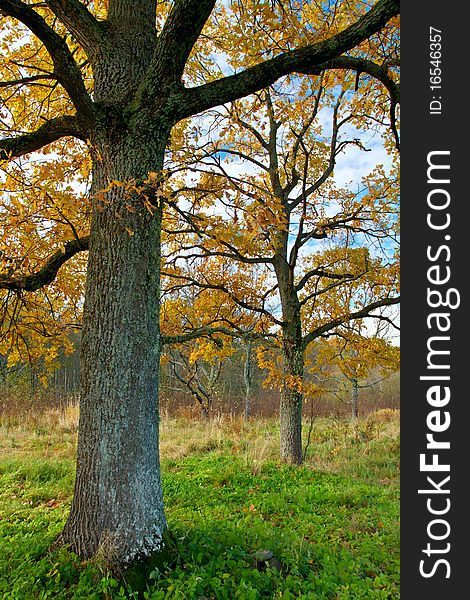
{"type": "Point", "coordinates": [190, 281]}
{"type": "Point", "coordinates": [201, 231]}
{"type": "Point", "coordinates": [49, 132]}
{"type": "Point", "coordinates": [337, 282]}
{"type": "Point", "coordinates": [306, 192]}
{"type": "Point", "coordinates": [361, 65]}
{"type": "Point", "coordinates": [207, 332]}
{"type": "Point", "coordinates": [65, 68]}
{"type": "Point", "coordinates": [320, 272]}
{"type": "Point", "coordinates": [47, 274]}
{"type": "Point", "coordinates": [81, 23]}
{"type": "Point", "coordinates": [360, 314]}
{"type": "Point", "coordinates": [180, 32]}
{"type": "Point", "coordinates": [26, 80]}
{"type": "Point", "coordinates": [379, 72]}
{"type": "Point", "coordinates": [174, 44]}
{"type": "Point", "coordinates": [198, 99]}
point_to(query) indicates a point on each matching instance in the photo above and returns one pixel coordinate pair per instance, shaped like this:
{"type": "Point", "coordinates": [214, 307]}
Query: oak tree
{"type": "Point", "coordinates": [355, 359]}
{"type": "Point", "coordinates": [329, 254]}
{"type": "Point", "coordinates": [203, 328]}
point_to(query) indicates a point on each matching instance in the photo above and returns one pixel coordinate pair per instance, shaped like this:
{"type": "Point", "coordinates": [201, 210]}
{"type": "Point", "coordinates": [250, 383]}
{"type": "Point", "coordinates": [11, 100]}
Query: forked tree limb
{"type": "Point", "coordinates": [180, 32]}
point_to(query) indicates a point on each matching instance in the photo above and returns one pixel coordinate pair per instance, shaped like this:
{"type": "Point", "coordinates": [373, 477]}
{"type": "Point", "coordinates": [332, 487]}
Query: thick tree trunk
{"type": "Point", "coordinates": [117, 508]}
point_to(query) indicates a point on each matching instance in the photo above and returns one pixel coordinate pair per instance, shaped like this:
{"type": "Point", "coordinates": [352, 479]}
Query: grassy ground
{"type": "Point", "coordinates": [332, 525]}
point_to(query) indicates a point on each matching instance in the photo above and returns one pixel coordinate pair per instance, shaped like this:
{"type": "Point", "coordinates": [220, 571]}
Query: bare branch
{"type": "Point", "coordinates": [321, 273]}
{"type": "Point", "coordinates": [337, 282]}
{"type": "Point", "coordinates": [385, 320]}
{"type": "Point", "coordinates": [208, 332]}
{"type": "Point", "coordinates": [361, 65]}
{"type": "Point", "coordinates": [241, 155]}
{"type": "Point", "coordinates": [26, 80]}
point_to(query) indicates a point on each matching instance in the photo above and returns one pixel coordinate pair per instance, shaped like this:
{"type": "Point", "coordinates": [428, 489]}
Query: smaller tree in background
{"type": "Point", "coordinates": [203, 328]}
{"type": "Point", "coordinates": [280, 211]}
{"type": "Point", "coordinates": [354, 359]}
{"type": "Point", "coordinates": [197, 375]}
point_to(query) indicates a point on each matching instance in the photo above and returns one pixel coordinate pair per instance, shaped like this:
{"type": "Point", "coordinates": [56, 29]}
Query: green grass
{"type": "Point", "coordinates": [332, 524]}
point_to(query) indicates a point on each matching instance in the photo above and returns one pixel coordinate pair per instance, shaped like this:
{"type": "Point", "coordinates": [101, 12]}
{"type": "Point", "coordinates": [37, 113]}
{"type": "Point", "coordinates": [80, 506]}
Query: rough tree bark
{"type": "Point", "coordinates": [138, 96]}
{"type": "Point", "coordinates": [117, 505]}
{"type": "Point", "coordinates": [290, 408]}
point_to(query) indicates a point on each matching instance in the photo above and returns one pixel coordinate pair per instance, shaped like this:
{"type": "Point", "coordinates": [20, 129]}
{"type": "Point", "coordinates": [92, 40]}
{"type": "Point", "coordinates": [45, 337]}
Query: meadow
{"type": "Point", "coordinates": [242, 525]}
